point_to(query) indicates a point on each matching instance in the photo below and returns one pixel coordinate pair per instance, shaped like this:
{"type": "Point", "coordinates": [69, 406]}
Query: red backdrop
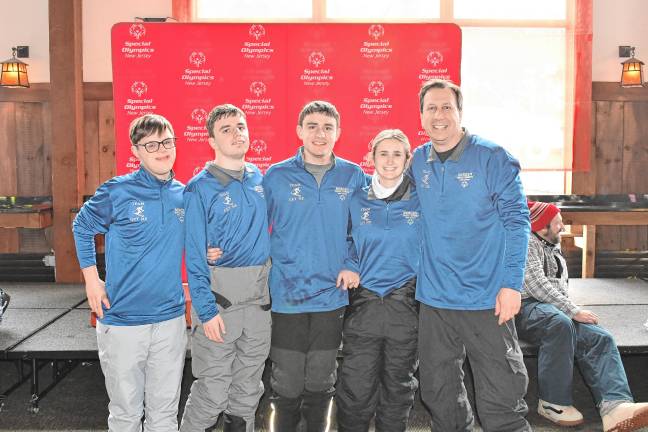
{"type": "Point", "coordinates": [372, 73]}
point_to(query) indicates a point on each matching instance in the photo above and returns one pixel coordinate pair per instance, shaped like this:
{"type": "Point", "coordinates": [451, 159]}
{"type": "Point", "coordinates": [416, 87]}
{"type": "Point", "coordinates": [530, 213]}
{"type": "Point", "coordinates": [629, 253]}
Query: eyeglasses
{"type": "Point", "coordinates": [153, 146]}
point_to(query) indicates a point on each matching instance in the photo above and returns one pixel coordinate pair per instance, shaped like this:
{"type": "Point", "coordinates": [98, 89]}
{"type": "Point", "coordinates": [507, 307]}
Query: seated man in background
{"type": "Point", "coordinates": [564, 332]}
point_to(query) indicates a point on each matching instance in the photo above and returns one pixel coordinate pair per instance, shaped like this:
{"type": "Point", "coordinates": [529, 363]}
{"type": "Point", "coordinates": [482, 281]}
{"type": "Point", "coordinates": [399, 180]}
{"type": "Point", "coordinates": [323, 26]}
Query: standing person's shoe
{"type": "Point", "coordinates": [560, 414]}
{"type": "Point", "coordinates": [626, 417]}
{"type": "Point", "coordinates": [233, 423]}
{"type": "Point", "coordinates": [4, 302]}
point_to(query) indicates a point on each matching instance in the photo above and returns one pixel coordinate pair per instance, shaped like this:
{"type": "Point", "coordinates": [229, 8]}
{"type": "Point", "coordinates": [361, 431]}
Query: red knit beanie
{"type": "Point", "coordinates": [541, 214]}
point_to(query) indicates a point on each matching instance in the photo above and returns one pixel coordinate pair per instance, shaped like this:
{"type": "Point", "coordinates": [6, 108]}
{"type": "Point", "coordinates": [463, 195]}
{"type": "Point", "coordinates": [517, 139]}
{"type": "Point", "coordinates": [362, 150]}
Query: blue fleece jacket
{"type": "Point", "coordinates": [143, 222]}
{"type": "Point", "coordinates": [386, 239]}
{"type": "Point", "coordinates": [227, 213]}
{"type": "Point", "coordinates": [476, 224]}
{"type": "Point", "coordinates": [308, 233]}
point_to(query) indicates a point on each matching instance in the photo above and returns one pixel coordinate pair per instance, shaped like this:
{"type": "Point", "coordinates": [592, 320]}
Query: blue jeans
{"type": "Point", "coordinates": [562, 340]}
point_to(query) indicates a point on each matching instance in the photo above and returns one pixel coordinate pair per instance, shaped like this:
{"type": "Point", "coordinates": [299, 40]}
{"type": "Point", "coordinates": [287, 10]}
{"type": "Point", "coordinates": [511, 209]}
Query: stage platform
{"type": "Point", "coordinates": [48, 325]}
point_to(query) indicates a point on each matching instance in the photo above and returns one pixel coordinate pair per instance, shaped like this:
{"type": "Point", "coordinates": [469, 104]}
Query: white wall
{"type": "Point", "coordinates": [98, 18]}
{"type": "Point", "coordinates": [617, 22]}
{"type": "Point", "coordinates": [27, 25]}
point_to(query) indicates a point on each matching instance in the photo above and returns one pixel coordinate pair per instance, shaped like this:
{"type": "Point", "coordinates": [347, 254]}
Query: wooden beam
{"type": "Point", "coordinates": [97, 91]}
{"type": "Point", "coordinates": [612, 91]}
{"type": "Point", "coordinates": [605, 217]}
{"type": "Point", "coordinates": [39, 219]}
{"type": "Point", "coordinates": [182, 10]}
{"type": "Point", "coordinates": [589, 251]}
{"type": "Point", "coordinates": [38, 92]}
{"type": "Point", "coordinates": [66, 96]}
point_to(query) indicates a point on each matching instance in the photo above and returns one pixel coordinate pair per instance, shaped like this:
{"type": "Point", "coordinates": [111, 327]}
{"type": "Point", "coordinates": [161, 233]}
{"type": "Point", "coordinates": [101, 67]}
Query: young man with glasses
{"type": "Point", "coordinates": [141, 327]}
{"type": "Point", "coordinates": [226, 207]}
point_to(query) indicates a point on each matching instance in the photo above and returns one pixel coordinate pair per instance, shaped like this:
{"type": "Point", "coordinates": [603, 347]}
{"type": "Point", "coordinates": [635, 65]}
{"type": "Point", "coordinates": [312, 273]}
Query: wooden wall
{"type": "Point", "coordinates": [619, 157]}
{"type": "Point", "coordinates": [25, 152]}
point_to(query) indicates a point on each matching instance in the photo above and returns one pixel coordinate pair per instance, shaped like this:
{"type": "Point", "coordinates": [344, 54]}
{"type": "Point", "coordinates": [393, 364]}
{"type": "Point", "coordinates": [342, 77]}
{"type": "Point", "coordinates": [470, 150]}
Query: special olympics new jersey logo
{"type": "Point", "coordinates": [258, 146]}
{"type": "Point", "coordinates": [258, 88]}
{"type": "Point", "coordinates": [199, 115]}
{"type": "Point", "coordinates": [316, 58]}
{"type": "Point", "coordinates": [434, 58]}
{"type": "Point", "coordinates": [257, 31]}
{"type": "Point", "coordinates": [197, 58]}
{"type": "Point", "coordinates": [376, 87]}
{"type": "Point", "coordinates": [376, 31]}
{"type": "Point", "coordinates": [137, 30]}
{"type": "Point", "coordinates": [139, 88]}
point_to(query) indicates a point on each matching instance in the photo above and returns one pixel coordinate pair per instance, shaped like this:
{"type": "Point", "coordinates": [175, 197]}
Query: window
{"type": "Point", "coordinates": [517, 67]}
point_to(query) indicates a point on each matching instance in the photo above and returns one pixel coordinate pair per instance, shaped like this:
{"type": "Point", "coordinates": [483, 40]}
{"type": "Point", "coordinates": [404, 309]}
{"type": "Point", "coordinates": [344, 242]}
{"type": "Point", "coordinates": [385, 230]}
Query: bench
{"type": "Point", "coordinates": [25, 212]}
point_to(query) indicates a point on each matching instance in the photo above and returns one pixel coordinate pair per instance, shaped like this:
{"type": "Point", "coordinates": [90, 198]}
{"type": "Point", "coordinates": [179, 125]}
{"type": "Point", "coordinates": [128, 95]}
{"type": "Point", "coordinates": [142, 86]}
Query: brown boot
{"type": "Point", "coordinates": [626, 417]}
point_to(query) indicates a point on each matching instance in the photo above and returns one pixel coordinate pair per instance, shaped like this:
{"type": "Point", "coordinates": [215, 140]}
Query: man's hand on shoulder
{"type": "Point", "coordinates": [586, 316]}
{"type": "Point", "coordinates": [507, 304]}
{"type": "Point", "coordinates": [214, 329]}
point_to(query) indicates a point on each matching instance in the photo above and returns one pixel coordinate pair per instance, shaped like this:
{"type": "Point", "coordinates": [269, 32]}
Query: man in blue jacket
{"type": "Point", "coordinates": [141, 327]}
{"type": "Point", "coordinates": [308, 202]}
{"type": "Point", "coordinates": [226, 207]}
{"type": "Point", "coordinates": [476, 230]}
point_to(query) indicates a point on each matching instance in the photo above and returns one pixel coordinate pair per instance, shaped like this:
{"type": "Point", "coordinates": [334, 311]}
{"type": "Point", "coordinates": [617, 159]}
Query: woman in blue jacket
{"type": "Point", "coordinates": [381, 325]}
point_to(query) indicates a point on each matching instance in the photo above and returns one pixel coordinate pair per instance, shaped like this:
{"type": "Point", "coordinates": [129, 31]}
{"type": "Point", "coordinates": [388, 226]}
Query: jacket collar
{"type": "Point", "coordinates": [457, 151]}
{"type": "Point", "coordinates": [299, 158]}
{"type": "Point", "coordinates": [143, 174]}
{"type": "Point", "coordinates": [222, 176]}
{"type": "Point", "coordinates": [402, 192]}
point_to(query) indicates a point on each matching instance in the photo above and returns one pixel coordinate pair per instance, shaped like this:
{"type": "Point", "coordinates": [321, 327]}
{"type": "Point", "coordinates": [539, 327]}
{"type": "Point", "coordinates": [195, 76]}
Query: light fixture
{"type": "Point", "coordinates": [632, 72]}
{"type": "Point", "coordinates": [14, 71]}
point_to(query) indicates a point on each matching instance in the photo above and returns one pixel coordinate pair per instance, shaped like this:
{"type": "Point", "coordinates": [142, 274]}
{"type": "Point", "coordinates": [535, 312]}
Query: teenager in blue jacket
{"type": "Point", "coordinates": [380, 329]}
{"type": "Point", "coordinates": [308, 203]}
{"type": "Point", "coordinates": [226, 207]}
{"type": "Point", "coordinates": [141, 326]}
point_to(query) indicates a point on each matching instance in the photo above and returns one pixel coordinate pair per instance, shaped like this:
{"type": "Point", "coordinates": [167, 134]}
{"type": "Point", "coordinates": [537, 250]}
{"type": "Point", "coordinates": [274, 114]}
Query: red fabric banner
{"type": "Point", "coordinates": [372, 73]}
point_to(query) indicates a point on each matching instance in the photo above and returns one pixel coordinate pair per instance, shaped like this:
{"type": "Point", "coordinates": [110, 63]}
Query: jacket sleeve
{"type": "Point", "coordinates": [509, 200]}
{"type": "Point", "coordinates": [196, 254]}
{"type": "Point", "coordinates": [94, 218]}
{"type": "Point", "coordinates": [538, 285]}
{"type": "Point", "coordinates": [351, 262]}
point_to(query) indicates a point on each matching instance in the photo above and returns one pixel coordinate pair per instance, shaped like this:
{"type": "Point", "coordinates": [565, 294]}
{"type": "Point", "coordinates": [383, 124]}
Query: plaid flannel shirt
{"type": "Point", "coordinates": [542, 280]}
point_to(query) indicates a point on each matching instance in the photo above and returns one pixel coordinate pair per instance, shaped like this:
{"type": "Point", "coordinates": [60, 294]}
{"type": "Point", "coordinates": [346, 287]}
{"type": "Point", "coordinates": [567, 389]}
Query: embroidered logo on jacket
{"type": "Point", "coordinates": [136, 211]}
{"type": "Point", "coordinates": [342, 192]}
{"type": "Point", "coordinates": [464, 178]}
{"type": "Point", "coordinates": [179, 212]}
{"type": "Point", "coordinates": [365, 217]}
{"type": "Point", "coordinates": [425, 179]}
{"type": "Point", "coordinates": [410, 216]}
{"type": "Point", "coordinates": [227, 202]}
{"type": "Point", "coordinates": [259, 189]}
{"type": "Point", "coordinates": [296, 192]}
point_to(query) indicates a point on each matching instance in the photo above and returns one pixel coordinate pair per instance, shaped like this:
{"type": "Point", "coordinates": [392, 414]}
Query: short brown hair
{"type": "Point", "coordinates": [148, 125]}
{"type": "Point", "coordinates": [219, 112]}
{"type": "Point", "coordinates": [324, 107]}
{"type": "Point", "coordinates": [439, 83]}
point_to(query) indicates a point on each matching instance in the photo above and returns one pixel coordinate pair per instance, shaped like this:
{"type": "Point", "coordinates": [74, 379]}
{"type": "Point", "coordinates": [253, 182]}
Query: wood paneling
{"type": "Point", "coordinates": [620, 152]}
{"type": "Point", "coordinates": [106, 141]}
{"type": "Point", "coordinates": [635, 165]}
{"type": "Point", "coordinates": [608, 143]}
